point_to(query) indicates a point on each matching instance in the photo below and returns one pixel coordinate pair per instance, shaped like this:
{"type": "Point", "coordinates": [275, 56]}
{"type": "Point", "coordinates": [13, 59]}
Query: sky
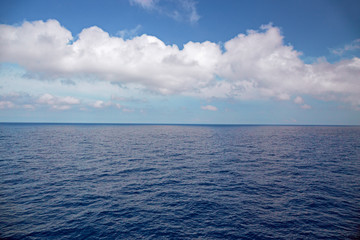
{"type": "Point", "coordinates": [180, 61]}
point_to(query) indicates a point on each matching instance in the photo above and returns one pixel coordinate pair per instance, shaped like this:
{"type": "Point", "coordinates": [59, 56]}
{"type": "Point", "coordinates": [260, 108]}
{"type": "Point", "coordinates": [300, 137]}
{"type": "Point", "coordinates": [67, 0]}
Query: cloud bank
{"type": "Point", "coordinates": [256, 64]}
{"type": "Point", "coordinates": [58, 103]}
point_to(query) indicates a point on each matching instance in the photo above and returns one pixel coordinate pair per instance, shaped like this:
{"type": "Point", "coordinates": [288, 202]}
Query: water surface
{"type": "Point", "coordinates": [81, 181]}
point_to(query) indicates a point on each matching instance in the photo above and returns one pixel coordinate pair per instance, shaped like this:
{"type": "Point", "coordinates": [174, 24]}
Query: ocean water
{"type": "Point", "coordinates": [78, 181]}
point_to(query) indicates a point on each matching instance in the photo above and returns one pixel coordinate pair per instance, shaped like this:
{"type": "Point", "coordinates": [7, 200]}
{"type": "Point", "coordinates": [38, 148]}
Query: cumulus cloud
{"type": "Point", "coordinates": [100, 104]}
{"type": "Point", "coordinates": [252, 65]}
{"type": "Point", "coordinates": [209, 107]}
{"type": "Point", "coordinates": [16, 101]}
{"type": "Point", "coordinates": [59, 103]}
{"type": "Point", "coordinates": [298, 100]}
{"type": "Point", "coordinates": [145, 59]}
{"type": "Point", "coordinates": [51, 100]}
{"type": "Point", "coordinates": [29, 102]}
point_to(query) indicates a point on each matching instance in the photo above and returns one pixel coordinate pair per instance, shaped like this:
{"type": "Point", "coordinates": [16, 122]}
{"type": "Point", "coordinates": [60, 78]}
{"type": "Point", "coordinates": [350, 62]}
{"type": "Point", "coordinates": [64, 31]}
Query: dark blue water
{"type": "Point", "coordinates": [179, 182]}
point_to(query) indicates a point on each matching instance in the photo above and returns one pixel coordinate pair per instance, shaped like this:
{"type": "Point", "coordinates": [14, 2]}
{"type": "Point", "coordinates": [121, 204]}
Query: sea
{"type": "Point", "coordinates": [147, 181]}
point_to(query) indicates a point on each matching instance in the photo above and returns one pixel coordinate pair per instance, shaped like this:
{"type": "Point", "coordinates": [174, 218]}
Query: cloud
{"type": "Point", "coordinates": [30, 102]}
{"type": "Point", "coordinates": [353, 46]}
{"type": "Point", "coordinates": [58, 103]}
{"type": "Point", "coordinates": [144, 60]}
{"type": "Point", "coordinates": [305, 106]}
{"type": "Point", "coordinates": [51, 100]}
{"type": "Point", "coordinates": [209, 107]}
{"type": "Point", "coordinates": [18, 100]}
{"type": "Point", "coordinates": [189, 8]}
{"type": "Point", "coordinates": [128, 99]}
{"type": "Point", "coordinates": [28, 106]}
{"type": "Point", "coordinates": [298, 100]}
{"type": "Point", "coordinates": [127, 110]}
{"type": "Point", "coordinates": [180, 10]}
{"type": "Point", "coordinates": [148, 4]}
{"type": "Point", "coordinates": [128, 34]}
{"type": "Point", "coordinates": [6, 104]}
{"type": "Point", "coordinates": [252, 65]}
{"type": "Point", "coordinates": [100, 104]}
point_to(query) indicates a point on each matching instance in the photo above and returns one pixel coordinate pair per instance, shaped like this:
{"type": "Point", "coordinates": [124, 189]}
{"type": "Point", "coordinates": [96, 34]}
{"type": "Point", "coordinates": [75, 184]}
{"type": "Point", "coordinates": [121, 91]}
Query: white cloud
{"type": "Point", "coordinates": [209, 107]}
{"type": "Point", "coordinates": [6, 104]}
{"type": "Point", "coordinates": [28, 106]}
{"type": "Point", "coordinates": [127, 110]}
{"type": "Point", "coordinates": [128, 34]}
{"type": "Point", "coordinates": [144, 60]}
{"type": "Point", "coordinates": [305, 106]}
{"type": "Point", "coordinates": [283, 96]}
{"type": "Point", "coordinates": [100, 104]}
{"type": "Point", "coordinates": [20, 100]}
{"type": "Point", "coordinates": [61, 107]}
{"type": "Point", "coordinates": [51, 100]}
{"type": "Point", "coordinates": [180, 10]}
{"type": "Point", "coordinates": [69, 100]}
{"type": "Point", "coordinates": [47, 99]}
{"type": "Point", "coordinates": [298, 100]}
{"type": "Point", "coordinates": [58, 103]}
{"type": "Point", "coordinates": [354, 45]}
{"type": "Point", "coordinates": [14, 100]}
{"type": "Point", "coordinates": [46, 42]}
{"type": "Point", "coordinates": [144, 3]}
{"type": "Point", "coordinates": [190, 10]}
{"type": "Point", "coordinates": [253, 65]}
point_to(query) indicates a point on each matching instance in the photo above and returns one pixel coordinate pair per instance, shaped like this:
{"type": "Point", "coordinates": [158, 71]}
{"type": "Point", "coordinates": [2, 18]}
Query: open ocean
{"type": "Point", "coordinates": [93, 181]}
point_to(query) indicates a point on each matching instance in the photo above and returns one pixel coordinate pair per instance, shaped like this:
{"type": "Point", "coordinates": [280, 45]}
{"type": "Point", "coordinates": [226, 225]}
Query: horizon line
{"type": "Point", "coordinates": [184, 124]}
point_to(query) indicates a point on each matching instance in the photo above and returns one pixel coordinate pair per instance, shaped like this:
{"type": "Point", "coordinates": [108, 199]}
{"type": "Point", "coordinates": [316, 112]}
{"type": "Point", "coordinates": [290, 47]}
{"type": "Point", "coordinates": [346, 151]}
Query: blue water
{"type": "Point", "coordinates": [73, 181]}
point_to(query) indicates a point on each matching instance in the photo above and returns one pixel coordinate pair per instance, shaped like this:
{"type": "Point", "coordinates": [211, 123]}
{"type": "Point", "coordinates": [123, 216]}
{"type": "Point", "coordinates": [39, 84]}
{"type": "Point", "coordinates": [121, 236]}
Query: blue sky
{"type": "Point", "coordinates": [169, 61]}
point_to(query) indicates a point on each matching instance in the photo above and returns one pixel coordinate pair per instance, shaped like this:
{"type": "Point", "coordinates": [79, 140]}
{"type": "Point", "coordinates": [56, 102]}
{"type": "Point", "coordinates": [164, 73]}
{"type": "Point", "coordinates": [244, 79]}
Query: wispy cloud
{"type": "Point", "coordinates": [148, 4]}
{"type": "Point", "coordinates": [6, 104]}
{"type": "Point", "coordinates": [129, 34]}
{"type": "Point", "coordinates": [180, 10]}
{"type": "Point", "coordinates": [354, 45]}
{"type": "Point", "coordinates": [209, 108]}
{"type": "Point", "coordinates": [305, 106]}
{"type": "Point", "coordinates": [252, 65]}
